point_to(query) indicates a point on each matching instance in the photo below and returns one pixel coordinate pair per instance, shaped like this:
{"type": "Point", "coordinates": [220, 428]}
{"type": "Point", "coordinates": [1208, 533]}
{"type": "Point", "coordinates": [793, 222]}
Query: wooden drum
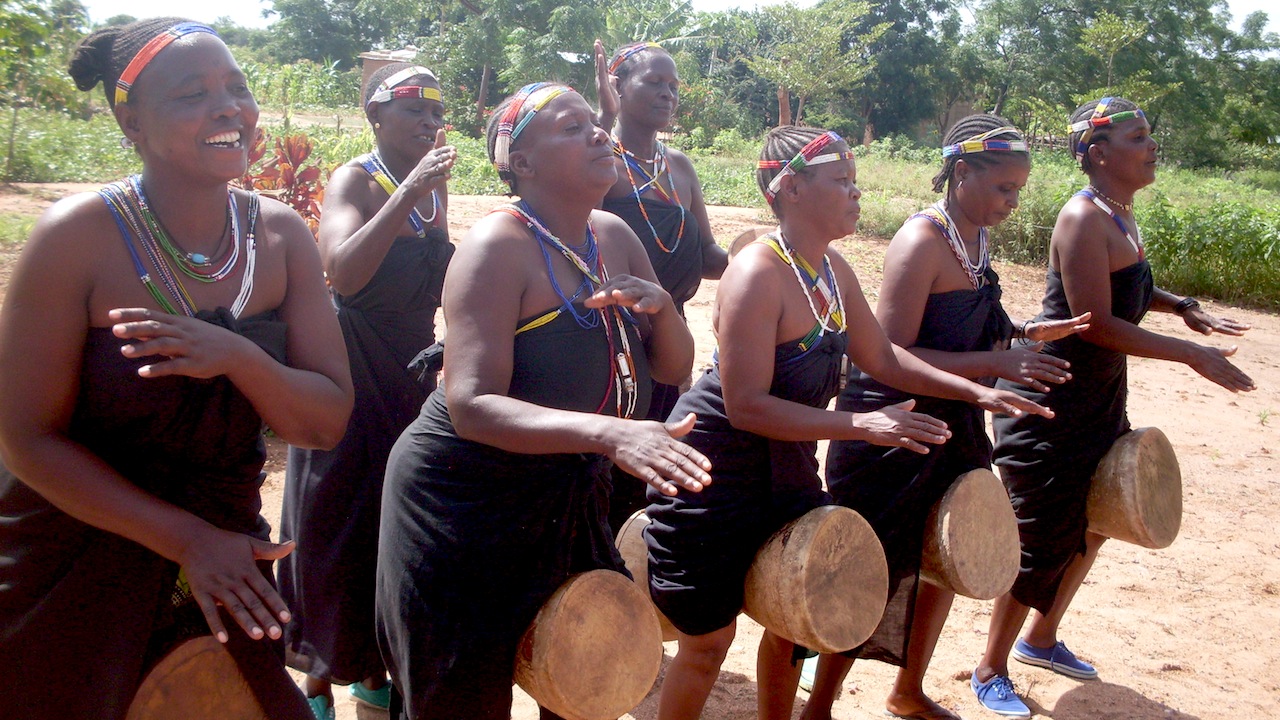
{"type": "Point", "coordinates": [746, 237]}
{"type": "Point", "coordinates": [594, 650]}
{"type": "Point", "coordinates": [971, 538]}
{"type": "Point", "coordinates": [821, 581]}
{"type": "Point", "coordinates": [1136, 495]}
{"type": "Point", "coordinates": [197, 680]}
{"type": "Point", "coordinates": [635, 554]}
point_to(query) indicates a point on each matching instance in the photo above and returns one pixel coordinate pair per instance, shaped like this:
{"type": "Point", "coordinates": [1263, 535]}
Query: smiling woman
{"type": "Point", "coordinates": [131, 418]}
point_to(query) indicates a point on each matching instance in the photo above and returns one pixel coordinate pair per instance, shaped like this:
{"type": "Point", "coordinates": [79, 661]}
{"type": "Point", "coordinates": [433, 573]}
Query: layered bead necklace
{"type": "Point", "coordinates": [822, 291]}
{"type": "Point", "coordinates": [134, 217]}
{"type": "Point", "coordinates": [976, 271]}
{"type": "Point", "coordinates": [622, 371]}
{"type": "Point", "coordinates": [377, 168]}
{"type": "Point", "coordinates": [1096, 198]}
{"type": "Point", "coordinates": [649, 180]}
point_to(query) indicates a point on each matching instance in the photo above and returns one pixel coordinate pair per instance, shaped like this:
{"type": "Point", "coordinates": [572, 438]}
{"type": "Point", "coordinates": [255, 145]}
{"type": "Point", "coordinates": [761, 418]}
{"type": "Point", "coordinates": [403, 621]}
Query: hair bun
{"type": "Point", "coordinates": [91, 62]}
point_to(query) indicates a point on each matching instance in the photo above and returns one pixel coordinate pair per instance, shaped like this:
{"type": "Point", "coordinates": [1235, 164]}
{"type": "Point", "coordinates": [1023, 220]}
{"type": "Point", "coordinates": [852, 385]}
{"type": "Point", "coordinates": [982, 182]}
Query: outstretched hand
{"type": "Point", "coordinates": [651, 451]}
{"type": "Point", "coordinates": [606, 90]}
{"type": "Point", "coordinates": [1025, 364]}
{"type": "Point", "coordinates": [194, 347]}
{"type": "Point", "coordinates": [631, 292]}
{"type": "Point", "coordinates": [1212, 363]}
{"type": "Point", "coordinates": [222, 570]}
{"type": "Point", "coordinates": [1206, 324]}
{"type": "Point", "coordinates": [897, 426]}
{"type": "Point", "coordinates": [1048, 330]}
{"type": "Point", "coordinates": [1003, 402]}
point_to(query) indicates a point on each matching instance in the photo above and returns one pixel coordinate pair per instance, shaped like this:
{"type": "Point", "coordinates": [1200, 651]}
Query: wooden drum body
{"type": "Point", "coordinates": [635, 554]}
{"type": "Point", "coordinates": [593, 651]}
{"type": "Point", "coordinates": [821, 581]}
{"type": "Point", "coordinates": [1136, 494]}
{"type": "Point", "coordinates": [971, 538]}
{"type": "Point", "coordinates": [746, 237]}
{"type": "Point", "coordinates": [198, 680]}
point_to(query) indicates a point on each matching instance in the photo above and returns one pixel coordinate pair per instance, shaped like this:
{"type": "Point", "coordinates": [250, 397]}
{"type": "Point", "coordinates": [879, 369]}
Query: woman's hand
{"type": "Point", "coordinates": [1003, 402]}
{"type": "Point", "coordinates": [222, 569]}
{"type": "Point", "coordinates": [606, 91]}
{"type": "Point", "coordinates": [1212, 363]}
{"type": "Point", "coordinates": [1206, 324]}
{"type": "Point", "coordinates": [433, 170]}
{"type": "Point", "coordinates": [897, 426]}
{"type": "Point", "coordinates": [1047, 330]}
{"type": "Point", "coordinates": [1025, 364]}
{"type": "Point", "coordinates": [650, 451]}
{"type": "Point", "coordinates": [194, 347]}
{"type": "Point", "coordinates": [630, 292]}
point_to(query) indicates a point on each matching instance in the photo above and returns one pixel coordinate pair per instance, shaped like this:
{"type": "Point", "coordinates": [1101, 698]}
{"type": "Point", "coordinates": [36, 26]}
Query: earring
{"type": "Point", "coordinates": [377, 126]}
{"type": "Point", "coordinates": [126, 143]}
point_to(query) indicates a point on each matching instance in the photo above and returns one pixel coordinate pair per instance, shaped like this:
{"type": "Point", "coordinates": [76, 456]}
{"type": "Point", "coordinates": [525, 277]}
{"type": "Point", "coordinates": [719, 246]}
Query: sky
{"type": "Point", "coordinates": [249, 12]}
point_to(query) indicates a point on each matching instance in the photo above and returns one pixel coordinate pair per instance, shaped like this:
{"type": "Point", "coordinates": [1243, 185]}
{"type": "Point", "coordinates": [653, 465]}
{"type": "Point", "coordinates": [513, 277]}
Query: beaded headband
{"type": "Point", "coordinates": [1099, 119]}
{"type": "Point", "coordinates": [625, 53]}
{"type": "Point", "coordinates": [535, 96]}
{"type": "Point", "coordinates": [406, 91]}
{"type": "Point", "coordinates": [807, 157]}
{"type": "Point", "coordinates": [983, 142]}
{"type": "Point", "coordinates": [384, 91]}
{"type": "Point", "coordinates": [148, 53]}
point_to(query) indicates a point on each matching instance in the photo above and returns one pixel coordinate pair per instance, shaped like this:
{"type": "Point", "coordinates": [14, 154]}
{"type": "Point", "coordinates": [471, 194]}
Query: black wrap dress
{"type": "Point", "coordinates": [1047, 464]}
{"type": "Point", "coordinates": [333, 498]}
{"type": "Point", "coordinates": [89, 611]}
{"type": "Point", "coordinates": [474, 538]}
{"type": "Point", "coordinates": [679, 272]}
{"type": "Point", "coordinates": [702, 544]}
{"type": "Point", "coordinates": [894, 489]}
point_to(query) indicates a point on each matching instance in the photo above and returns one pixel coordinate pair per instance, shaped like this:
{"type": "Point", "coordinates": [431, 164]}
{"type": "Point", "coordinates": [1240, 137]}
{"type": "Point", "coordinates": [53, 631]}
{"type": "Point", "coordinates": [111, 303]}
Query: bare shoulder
{"type": "Point", "coordinates": [917, 239]}
{"type": "Point", "coordinates": [680, 161]}
{"type": "Point", "coordinates": [75, 226]}
{"type": "Point", "coordinates": [281, 225]}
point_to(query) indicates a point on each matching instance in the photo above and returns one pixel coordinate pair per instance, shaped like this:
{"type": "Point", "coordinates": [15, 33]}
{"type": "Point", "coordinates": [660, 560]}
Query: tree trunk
{"type": "Point", "coordinates": [784, 106]}
{"type": "Point", "coordinates": [800, 109]}
{"type": "Point", "coordinates": [13, 132]}
{"type": "Point", "coordinates": [481, 96]}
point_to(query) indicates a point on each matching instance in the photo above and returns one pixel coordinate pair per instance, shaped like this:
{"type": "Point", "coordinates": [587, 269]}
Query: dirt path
{"type": "Point", "coordinates": [1189, 632]}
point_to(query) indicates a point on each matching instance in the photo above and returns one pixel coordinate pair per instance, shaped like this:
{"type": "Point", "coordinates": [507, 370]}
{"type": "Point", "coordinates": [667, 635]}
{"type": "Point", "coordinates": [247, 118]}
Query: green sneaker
{"type": "Point", "coordinates": [380, 698]}
{"type": "Point", "coordinates": [322, 707]}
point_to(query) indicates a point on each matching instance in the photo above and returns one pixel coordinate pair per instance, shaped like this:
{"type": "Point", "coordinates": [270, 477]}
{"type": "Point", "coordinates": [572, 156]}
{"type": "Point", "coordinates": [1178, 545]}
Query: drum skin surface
{"type": "Point", "coordinates": [197, 680]}
{"type": "Point", "coordinates": [1136, 494]}
{"type": "Point", "coordinates": [971, 538]}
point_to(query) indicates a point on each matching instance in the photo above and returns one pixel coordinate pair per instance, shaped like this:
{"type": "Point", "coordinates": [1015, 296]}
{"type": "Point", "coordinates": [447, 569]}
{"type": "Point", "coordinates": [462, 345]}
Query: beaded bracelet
{"type": "Point", "coordinates": [1185, 304]}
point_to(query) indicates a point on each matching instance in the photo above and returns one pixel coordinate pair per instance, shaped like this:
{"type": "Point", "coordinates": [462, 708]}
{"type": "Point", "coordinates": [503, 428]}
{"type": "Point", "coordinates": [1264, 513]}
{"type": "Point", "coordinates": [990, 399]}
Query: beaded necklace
{"type": "Point", "coordinates": [193, 265]}
{"type": "Point", "coordinates": [622, 371]}
{"type": "Point", "coordinates": [1127, 207]}
{"type": "Point", "coordinates": [377, 168]}
{"type": "Point", "coordinates": [660, 167]}
{"type": "Point", "coordinates": [976, 271]}
{"type": "Point", "coordinates": [1136, 242]}
{"type": "Point", "coordinates": [126, 209]}
{"type": "Point", "coordinates": [827, 310]}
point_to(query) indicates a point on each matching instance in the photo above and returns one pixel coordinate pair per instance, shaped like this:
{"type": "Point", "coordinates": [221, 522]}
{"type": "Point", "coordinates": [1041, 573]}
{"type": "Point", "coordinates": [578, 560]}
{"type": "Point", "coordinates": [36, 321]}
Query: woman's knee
{"type": "Point", "coordinates": [710, 649]}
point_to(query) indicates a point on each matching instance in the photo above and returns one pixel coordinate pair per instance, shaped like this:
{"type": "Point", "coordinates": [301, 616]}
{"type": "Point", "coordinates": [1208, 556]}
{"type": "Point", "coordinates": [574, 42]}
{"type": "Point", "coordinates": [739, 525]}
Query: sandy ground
{"type": "Point", "coordinates": [1190, 632]}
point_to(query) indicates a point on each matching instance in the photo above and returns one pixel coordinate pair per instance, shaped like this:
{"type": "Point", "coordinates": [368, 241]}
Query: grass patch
{"type": "Point", "coordinates": [15, 229]}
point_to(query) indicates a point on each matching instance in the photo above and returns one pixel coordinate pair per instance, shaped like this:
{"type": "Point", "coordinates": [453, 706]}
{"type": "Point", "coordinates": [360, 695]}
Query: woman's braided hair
{"type": "Point", "coordinates": [101, 56]}
{"type": "Point", "coordinates": [966, 128]}
{"type": "Point", "coordinates": [1084, 112]}
{"type": "Point", "coordinates": [782, 144]}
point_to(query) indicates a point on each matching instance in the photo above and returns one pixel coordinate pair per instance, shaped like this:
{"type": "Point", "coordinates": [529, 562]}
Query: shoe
{"type": "Point", "coordinates": [1057, 658]}
{"type": "Point", "coordinates": [808, 671]}
{"type": "Point", "coordinates": [997, 695]}
{"type": "Point", "coordinates": [380, 698]}
{"type": "Point", "coordinates": [321, 707]}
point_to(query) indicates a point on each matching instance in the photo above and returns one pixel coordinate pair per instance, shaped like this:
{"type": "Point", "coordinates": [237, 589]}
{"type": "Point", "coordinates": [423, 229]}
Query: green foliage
{"type": "Point", "coordinates": [53, 146]}
{"type": "Point", "coordinates": [304, 84]}
{"type": "Point", "coordinates": [15, 229]}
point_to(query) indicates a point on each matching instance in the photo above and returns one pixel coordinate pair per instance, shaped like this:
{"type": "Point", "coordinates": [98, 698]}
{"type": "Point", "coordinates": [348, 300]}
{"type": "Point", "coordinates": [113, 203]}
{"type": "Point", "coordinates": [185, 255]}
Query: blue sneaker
{"type": "Point", "coordinates": [997, 695]}
{"type": "Point", "coordinates": [321, 707]}
{"type": "Point", "coordinates": [380, 698]}
{"type": "Point", "coordinates": [808, 671]}
{"type": "Point", "coordinates": [1057, 658]}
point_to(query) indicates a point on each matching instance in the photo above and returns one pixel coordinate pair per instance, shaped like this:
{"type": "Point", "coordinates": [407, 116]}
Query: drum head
{"type": "Point", "coordinates": [746, 237]}
{"type": "Point", "coordinates": [971, 538]}
{"type": "Point", "coordinates": [1136, 494]}
{"type": "Point", "coordinates": [198, 680]}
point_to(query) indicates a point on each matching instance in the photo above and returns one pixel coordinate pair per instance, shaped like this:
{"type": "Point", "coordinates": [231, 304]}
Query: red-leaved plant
{"type": "Point", "coordinates": [282, 176]}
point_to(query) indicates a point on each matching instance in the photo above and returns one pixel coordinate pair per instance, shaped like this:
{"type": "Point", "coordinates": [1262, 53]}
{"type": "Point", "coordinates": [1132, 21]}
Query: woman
{"type": "Point", "coordinates": [1097, 266]}
{"type": "Point", "coordinates": [385, 246]}
{"type": "Point", "coordinates": [940, 298]}
{"type": "Point", "coordinates": [659, 196]}
{"type": "Point", "coordinates": [142, 347]}
{"type": "Point", "coordinates": [497, 493]}
{"type": "Point", "coordinates": [780, 316]}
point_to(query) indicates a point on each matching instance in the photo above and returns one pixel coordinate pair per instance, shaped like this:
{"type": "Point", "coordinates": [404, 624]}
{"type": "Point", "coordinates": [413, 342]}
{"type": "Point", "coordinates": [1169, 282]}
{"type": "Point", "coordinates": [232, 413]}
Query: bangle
{"type": "Point", "coordinates": [1022, 332]}
{"type": "Point", "coordinates": [1185, 304]}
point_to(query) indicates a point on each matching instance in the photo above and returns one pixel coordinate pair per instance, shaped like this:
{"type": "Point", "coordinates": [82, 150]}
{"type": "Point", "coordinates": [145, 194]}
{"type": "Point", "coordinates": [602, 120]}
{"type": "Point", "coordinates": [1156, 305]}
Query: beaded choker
{"type": "Point", "coordinates": [1127, 207]}
{"type": "Point", "coordinates": [647, 181]}
{"type": "Point", "coordinates": [377, 168]}
{"type": "Point", "coordinates": [1135, 242]}
{"type": "Point", "coordinates": [136, 221]}
{"type": "Point", "coordinates": [622, 371]}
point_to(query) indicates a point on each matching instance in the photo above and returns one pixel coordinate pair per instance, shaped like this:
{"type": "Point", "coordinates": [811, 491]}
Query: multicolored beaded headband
{"type": "Point", "coordinates": [148, 53]}
{"type": "Point", "coordinates": [807, 157]}
{"type": "Point", "coordinates": [626, 52]}
{"type": "Point", "coordinates": [388, 91]}
{"type": "Point", "coordinates": [983, 142]}
{"type": "Point", "coordinates": [535, 96]}
{"type": "Point", "coordinates": [1099, 119]}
